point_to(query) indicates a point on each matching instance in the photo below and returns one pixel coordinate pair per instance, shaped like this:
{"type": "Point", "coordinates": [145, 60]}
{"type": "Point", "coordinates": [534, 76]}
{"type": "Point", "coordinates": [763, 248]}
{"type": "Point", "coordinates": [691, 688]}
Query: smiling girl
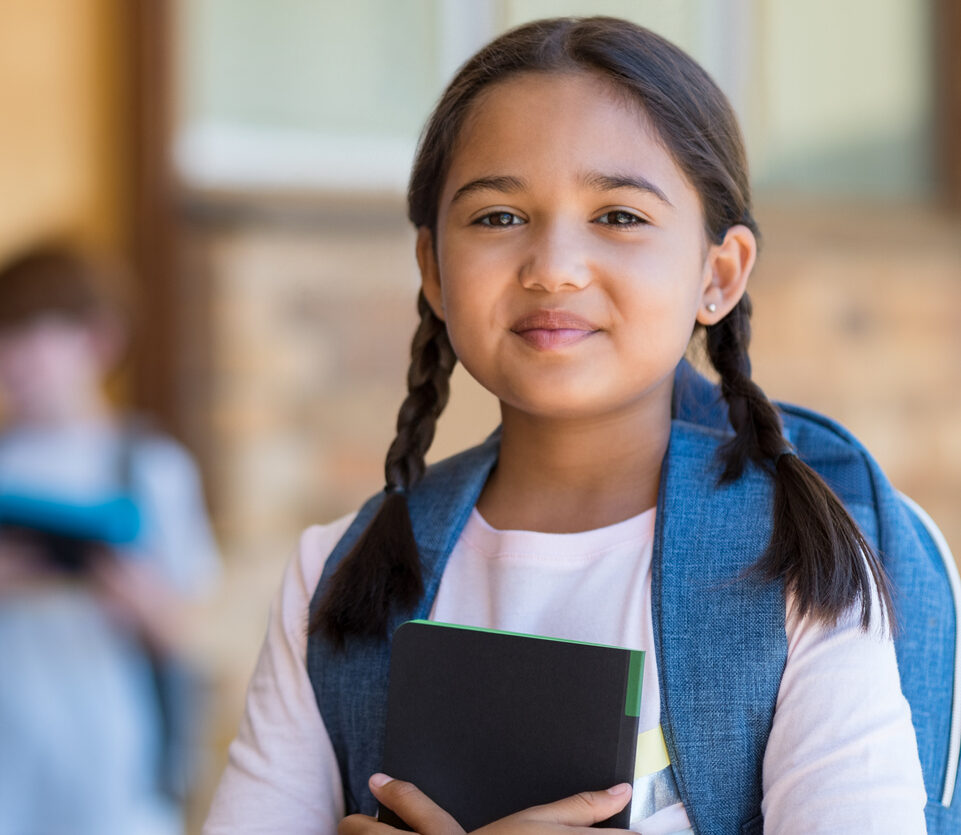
{"type": "Point", "coordinates": [582, 209]}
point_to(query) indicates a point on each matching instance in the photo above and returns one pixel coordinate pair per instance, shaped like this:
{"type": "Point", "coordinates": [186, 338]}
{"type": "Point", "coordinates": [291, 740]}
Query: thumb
{"type": "Point", "coordinates": [584, 808]}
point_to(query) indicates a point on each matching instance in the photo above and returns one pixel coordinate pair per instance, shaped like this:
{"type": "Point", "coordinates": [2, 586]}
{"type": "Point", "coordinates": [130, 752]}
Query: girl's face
{"type": "Point", "coordinates": [570, 262]}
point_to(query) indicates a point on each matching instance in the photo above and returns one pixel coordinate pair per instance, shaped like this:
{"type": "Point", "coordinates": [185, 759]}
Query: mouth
{"type": "Point", "coordinates": [548, 329]}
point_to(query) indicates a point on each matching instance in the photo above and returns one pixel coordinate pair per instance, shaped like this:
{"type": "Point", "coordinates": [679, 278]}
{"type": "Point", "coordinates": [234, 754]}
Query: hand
{"type": "Point", "coordinates": [138, 596]}
{"type": "Point", "coordinates": [573, 814]}
{"type": "Point", "coordinates": [22, 563]}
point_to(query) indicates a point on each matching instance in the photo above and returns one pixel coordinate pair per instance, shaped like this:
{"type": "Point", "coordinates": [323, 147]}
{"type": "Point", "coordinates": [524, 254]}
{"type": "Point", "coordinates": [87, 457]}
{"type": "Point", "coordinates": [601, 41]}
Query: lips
{"type": "Point", "coordinates": [547, 329]}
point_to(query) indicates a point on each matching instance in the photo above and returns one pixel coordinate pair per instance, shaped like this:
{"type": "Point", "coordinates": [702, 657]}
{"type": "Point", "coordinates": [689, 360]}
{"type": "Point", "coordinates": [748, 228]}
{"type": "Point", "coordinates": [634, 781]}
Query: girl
{"type": "Point", "coordinates": [582, 208]}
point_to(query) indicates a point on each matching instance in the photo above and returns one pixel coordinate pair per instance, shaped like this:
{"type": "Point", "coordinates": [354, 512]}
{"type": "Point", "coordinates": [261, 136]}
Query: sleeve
{"type": "Point", "coordinates": [178, 533]}
{"type": "Point", "coordinates": [282, 775]}
{"type": "Point", "coordinates": [842, 755]}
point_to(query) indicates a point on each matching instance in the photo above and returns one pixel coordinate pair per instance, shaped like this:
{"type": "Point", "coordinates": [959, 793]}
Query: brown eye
{"type": "Point", "coordinates": [499, 219]}
{"type": "Point", "coordinates": [619, 217]}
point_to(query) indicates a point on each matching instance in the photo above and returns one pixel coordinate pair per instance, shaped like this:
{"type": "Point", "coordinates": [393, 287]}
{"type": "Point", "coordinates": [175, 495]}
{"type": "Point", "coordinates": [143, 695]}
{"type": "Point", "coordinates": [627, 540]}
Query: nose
{"type": "Point", "coordinates": [556, 261]}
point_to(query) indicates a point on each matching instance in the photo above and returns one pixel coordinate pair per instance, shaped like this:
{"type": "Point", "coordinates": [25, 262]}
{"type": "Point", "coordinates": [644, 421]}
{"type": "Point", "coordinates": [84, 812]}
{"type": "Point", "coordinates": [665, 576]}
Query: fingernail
{"type": "Point", "coordinates": [378, 780]}
{"type": "Point", "coordinates": [620, 788]}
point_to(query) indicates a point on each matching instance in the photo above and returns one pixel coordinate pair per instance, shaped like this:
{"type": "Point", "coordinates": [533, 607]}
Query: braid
{"type": "Point", "coordinates": [432, 360]}
{"type": "Point", "coordinates": [382, 570]}
{"type": "Point", "coordinates": [757, 426]}
{"type": "Point", "coordinates": [816, 548]}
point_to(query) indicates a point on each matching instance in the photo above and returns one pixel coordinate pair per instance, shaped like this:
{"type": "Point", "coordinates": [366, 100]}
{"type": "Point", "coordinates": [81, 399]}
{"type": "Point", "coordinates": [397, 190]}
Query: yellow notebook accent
{"type": "Point", "coordinates": [651, 754]}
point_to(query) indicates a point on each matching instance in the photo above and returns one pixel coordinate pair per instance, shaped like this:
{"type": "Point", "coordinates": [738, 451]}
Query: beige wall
{"type": "Point", "coordinates": [62, 143]}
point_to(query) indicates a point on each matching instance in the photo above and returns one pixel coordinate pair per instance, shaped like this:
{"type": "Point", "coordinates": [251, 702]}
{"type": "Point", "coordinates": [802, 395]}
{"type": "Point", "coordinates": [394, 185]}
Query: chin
{"type": "Point", "coordinates": [559, 405]}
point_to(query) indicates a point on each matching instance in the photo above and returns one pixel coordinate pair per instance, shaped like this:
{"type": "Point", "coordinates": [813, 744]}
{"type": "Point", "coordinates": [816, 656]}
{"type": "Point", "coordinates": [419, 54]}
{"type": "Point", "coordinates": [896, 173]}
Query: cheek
{"type": "Point", "coordinates": [466, 328]}
{"type": "Point", "coordinates": [65, 360]}
{"type": "Point", "coordinates": [671, 266]}
{"type": "Point", "coordinates": [660, 304]}
{"type": "Point", "coordinates": [471, 295]}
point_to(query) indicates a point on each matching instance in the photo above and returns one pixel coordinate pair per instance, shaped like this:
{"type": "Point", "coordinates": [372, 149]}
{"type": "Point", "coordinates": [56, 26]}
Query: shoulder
{"type": "Point", "coordinates": [315, 546]}
{"type": "Point", "coordinates": [438, 504]}
{"type": "Point", "coordinates": [291, 602]}
{"type": "Point", "coordinates": [818, 439]}
{"type": "Point", "coordinates": [154, 452]}
{"type": "Point", "coordinates": [824, 443]}
{"type": "Point", "coordinates": [850, 471]}
{"type": "Point", "coordinates": [156, 467]}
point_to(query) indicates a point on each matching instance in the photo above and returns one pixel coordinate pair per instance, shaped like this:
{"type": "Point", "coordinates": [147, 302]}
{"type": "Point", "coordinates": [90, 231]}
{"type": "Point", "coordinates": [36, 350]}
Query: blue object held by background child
{"type": "Point", "coordinates": [115, 521]}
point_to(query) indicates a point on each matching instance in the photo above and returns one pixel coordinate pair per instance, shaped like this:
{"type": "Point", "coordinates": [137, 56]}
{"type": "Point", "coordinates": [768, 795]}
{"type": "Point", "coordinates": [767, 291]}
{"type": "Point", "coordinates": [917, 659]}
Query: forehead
{"type": "Point", "coordinates": [560, 124]}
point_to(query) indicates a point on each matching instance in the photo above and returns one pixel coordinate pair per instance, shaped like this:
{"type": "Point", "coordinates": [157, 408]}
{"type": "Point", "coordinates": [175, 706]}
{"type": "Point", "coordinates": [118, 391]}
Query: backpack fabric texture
{"type": "Point", "coordinates": [716, 751]}
{"type": "Point", "coordinates": [925, 604]}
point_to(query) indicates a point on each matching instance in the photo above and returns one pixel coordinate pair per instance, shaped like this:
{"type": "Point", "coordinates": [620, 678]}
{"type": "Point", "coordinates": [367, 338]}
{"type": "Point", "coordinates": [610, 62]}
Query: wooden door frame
{"type": "Point", "coordinates": [153, 233]}
{"type": "Point", "coordinates": [946, 69]}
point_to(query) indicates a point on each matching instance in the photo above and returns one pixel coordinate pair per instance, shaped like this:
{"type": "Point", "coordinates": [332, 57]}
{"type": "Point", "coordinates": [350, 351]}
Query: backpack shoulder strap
{"type": "Point", "coordinates": [721, 642]}
{"type": "Point", "coordinates": [918, 563]}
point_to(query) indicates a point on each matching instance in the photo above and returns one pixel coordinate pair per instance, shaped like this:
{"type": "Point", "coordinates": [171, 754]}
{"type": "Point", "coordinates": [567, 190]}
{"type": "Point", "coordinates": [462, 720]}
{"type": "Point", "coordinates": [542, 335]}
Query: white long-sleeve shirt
{"type": "Point", "coordinates": [841, 757]}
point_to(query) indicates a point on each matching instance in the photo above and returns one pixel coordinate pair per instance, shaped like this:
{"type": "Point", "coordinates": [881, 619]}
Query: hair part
{"type": "Point", "coordinates": [816, 549]}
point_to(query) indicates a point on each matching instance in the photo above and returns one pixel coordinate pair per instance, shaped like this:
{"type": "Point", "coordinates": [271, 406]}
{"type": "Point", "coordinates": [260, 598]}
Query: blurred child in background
{"type": "Point", "coordinates": [104, 545]}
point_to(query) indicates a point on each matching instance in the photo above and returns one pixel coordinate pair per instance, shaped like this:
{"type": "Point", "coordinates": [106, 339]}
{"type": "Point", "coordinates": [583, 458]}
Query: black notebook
{"type": "Point", "coordinates": [488, 723]}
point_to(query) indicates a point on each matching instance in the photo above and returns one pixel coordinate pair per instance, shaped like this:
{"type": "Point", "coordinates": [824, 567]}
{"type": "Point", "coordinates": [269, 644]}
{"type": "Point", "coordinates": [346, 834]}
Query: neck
{"type": "Point", "coordinates": [563, 476]}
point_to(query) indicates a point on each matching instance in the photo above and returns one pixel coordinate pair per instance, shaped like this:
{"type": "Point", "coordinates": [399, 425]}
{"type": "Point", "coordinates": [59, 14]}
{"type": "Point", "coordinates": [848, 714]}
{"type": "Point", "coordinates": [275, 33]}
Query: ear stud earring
{"type": "Point", "coordinates": [711, 307]}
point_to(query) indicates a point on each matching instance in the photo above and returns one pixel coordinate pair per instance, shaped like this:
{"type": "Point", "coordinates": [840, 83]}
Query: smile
{"type": "Point", "coordinates": [549, 329]}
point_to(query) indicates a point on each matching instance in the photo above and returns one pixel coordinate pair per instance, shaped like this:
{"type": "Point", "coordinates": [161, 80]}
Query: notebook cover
{"type": "Point", "coordinates": [488, 723]}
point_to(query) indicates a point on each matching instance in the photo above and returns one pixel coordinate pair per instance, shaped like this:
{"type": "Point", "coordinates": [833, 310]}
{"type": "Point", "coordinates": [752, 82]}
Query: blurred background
{"type": "Point", "coordinates": [248, 158]}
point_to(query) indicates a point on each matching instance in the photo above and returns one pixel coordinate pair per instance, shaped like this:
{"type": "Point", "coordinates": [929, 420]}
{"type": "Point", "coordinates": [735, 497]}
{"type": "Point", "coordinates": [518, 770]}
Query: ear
{"type": "Point", "coordinates": [108, 340]}
{"type": "Point", "coordinates": [726, 270]}
{"type": "Point", "coordinates": [429, 272]}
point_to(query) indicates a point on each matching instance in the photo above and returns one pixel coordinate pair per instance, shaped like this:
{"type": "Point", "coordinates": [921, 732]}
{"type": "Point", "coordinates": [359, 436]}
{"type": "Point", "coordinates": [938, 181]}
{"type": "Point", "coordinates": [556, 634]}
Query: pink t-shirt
{"type": "Point", "coordinates": [841, 757]}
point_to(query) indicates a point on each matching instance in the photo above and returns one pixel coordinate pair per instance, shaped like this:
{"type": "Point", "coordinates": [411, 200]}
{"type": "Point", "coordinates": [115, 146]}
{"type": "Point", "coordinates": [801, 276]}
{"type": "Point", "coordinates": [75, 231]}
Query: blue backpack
{"type": "Point", "coordinates": [350, 686]}
{"type": "Point", "coordinates": [924, 578]}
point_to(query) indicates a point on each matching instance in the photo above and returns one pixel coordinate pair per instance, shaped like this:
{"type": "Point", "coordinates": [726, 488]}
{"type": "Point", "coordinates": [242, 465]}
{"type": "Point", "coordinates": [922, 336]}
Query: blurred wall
{"type": "Point", "coordinates": [63, 141]}
{"type": "Point", "coordinates": [858, 315]}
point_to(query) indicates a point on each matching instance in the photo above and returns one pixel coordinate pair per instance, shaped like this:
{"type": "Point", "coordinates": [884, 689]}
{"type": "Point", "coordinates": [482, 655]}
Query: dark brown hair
{"type": "Point", "coordinates": [816, 549]}
{"type": "Point", "coordinates": [56, 278]}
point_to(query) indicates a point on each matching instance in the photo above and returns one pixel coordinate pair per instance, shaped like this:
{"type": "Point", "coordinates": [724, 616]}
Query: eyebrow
{"type": "Point", "coordinates": [611, 182]}
{"type": "Point", "coordinates": [511, 185]}
{"type": "Point", "coordinates": [592, 179]}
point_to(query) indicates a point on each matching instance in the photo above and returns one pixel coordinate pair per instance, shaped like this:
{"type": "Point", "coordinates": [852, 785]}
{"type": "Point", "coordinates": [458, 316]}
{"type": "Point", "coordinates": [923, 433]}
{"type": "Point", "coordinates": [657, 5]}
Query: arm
{"type": "Point", "coordinates": [842, 755]}
{"type": "Point", "coordinates": [140, 598]}
{"type": "Point", "coordinates": [282, 775]}
{"type": "Point", "coordinates": [160, 587]}
{"type": "Point", "coordinates": [177, 537]}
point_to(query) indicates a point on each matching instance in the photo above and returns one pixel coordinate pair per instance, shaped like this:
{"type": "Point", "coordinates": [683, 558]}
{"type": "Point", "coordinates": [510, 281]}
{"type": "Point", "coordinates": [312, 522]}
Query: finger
{"type": "Point", "coordinates": [414, 807]}
{"type": "Point", "coordinates": [583, 809]}
{"type": "Point", "coordinates": [363, 825]}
